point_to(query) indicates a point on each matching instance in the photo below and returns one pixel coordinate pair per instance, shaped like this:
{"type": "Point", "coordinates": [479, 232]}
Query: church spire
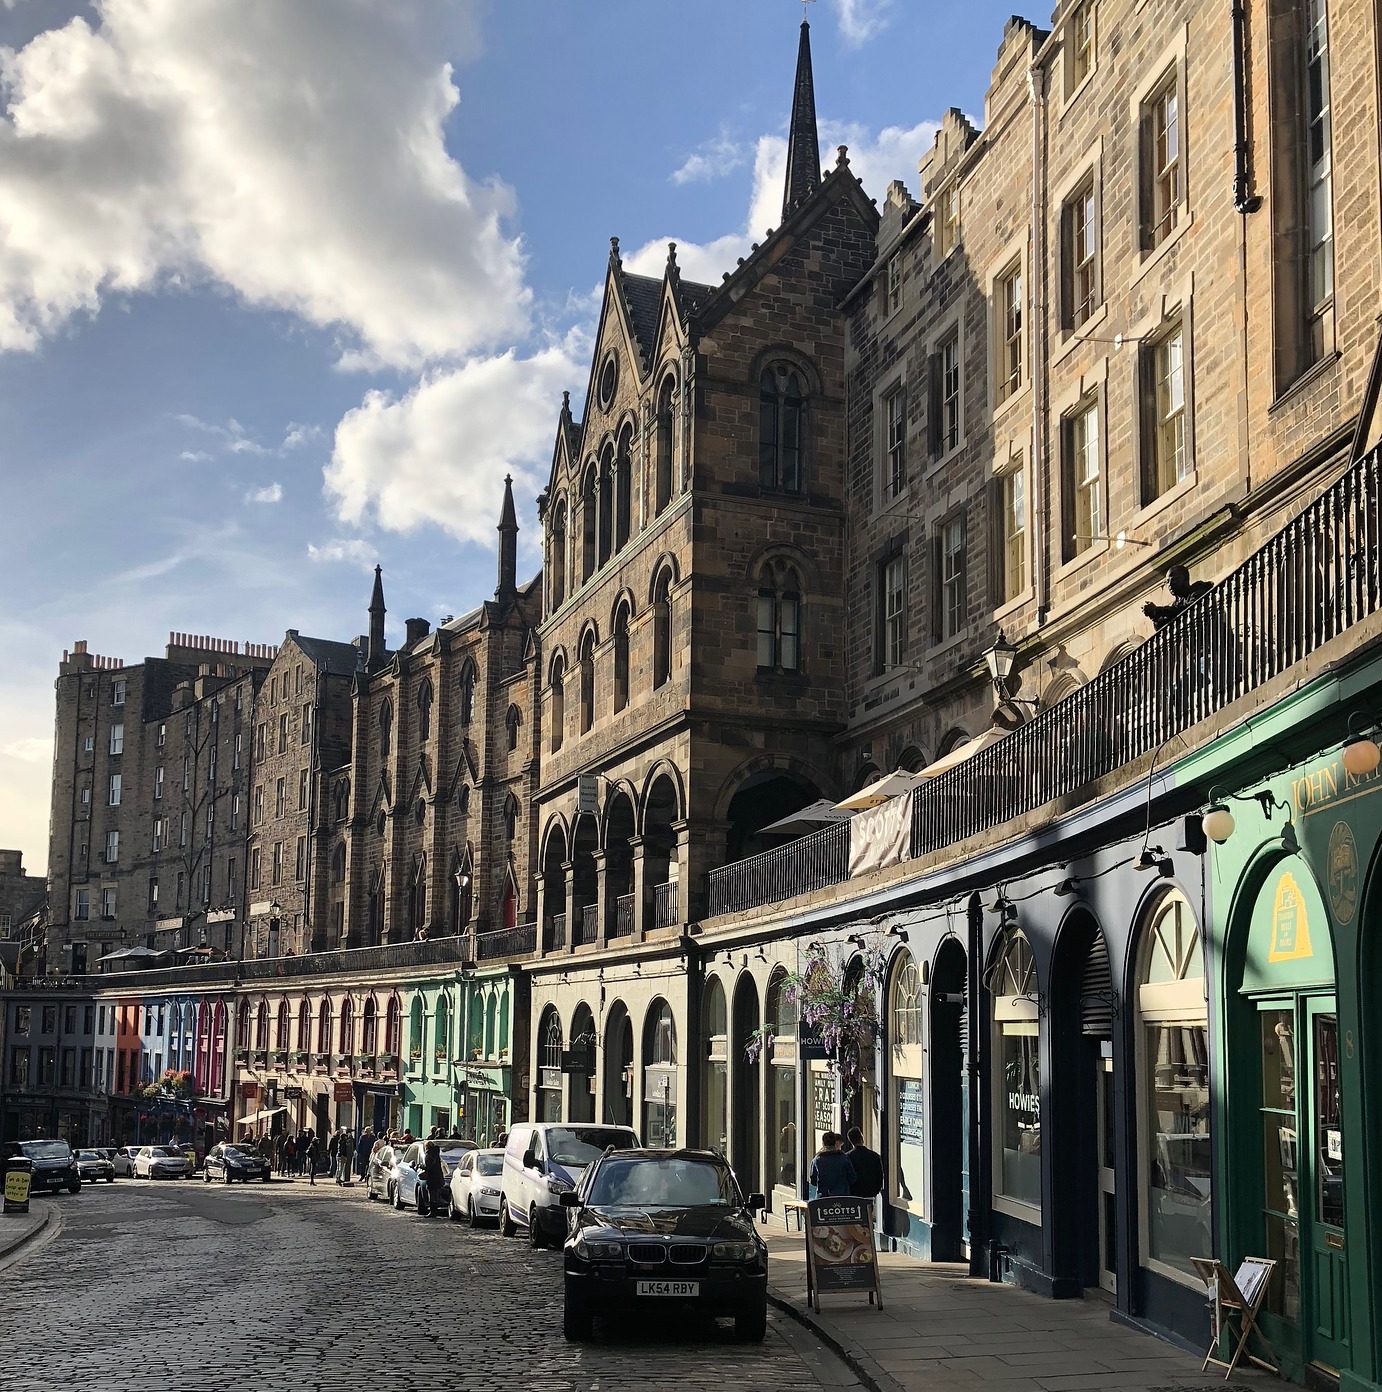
{"type": "Point", "coordinates": [374, 653]}
{"type": "Point", "coordinates": [803, 144]}
{"type": "Point", "coordinates": [508, 546]}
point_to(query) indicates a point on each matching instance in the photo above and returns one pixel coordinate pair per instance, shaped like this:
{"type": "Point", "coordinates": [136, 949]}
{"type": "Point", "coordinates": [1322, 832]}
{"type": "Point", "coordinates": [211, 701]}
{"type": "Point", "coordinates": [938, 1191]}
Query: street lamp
{"type": "Point", "coordinates": [999, 659]}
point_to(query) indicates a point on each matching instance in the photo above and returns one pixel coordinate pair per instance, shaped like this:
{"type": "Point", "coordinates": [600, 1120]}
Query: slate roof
{"type": "Point", "coordinates": [643, 298]}
{"type": "Point", "coordinates": [339, 659]}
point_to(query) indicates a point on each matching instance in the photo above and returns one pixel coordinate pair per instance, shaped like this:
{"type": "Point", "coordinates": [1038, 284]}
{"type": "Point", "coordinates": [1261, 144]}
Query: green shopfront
{"type": "Point", "coordinates": [1297, 907]}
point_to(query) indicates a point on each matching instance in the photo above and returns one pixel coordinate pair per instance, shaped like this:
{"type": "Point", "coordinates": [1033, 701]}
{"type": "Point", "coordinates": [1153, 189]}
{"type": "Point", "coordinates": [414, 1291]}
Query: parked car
{"type": "Point", "coordinates": [663, 1230]}
{"type": "Point", "coordinates": [94, 1165]}
{"type": "Point", "coordinates": [123, 1160]}
{"type": "Point", "coordinates": [55, 1167]}
{"type": "Point", "coordinates": [160, 1162]}
{"type": "Point", "coordinates": [408, 1189]}
{"type": "Point", "coordinates": [379, 1177]}
{"type": "Point", "coordinates": [475, 1186]}
{"type": "Point", "coordinates": [544, 1160]}
{"type": "Point", "coordinates": [227, 1162]}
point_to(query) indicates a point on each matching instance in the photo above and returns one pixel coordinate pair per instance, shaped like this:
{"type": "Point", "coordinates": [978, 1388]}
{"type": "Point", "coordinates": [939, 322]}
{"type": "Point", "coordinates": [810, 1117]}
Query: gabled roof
{"type": "Point", "coordinates": [338, 659]}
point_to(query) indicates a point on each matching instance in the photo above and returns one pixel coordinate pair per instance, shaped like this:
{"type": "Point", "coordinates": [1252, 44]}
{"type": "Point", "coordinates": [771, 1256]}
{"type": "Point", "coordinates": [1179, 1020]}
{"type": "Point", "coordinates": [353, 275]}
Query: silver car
{"type": "Point", "coordinates": [409, 1188]}
{"type": "Point", "coordinates": [476, 1186]}
{"type": "Point", "coordinates": [161, 1162]}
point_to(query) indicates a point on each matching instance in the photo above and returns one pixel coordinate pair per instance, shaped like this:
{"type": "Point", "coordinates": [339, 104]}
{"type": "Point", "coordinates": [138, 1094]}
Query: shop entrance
{"type": "Point", "coordinates": [949, 1105]}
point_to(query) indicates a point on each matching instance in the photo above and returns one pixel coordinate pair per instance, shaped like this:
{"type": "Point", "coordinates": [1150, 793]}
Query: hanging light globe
{"type": "Point", "coordinates": [1361, 755]}
{"type": "Point", "coordinates": [1218, 823]}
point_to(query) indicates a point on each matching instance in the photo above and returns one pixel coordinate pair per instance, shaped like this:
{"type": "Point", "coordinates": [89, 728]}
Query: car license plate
{"type": "Point", "coordinates": [676, 1289]}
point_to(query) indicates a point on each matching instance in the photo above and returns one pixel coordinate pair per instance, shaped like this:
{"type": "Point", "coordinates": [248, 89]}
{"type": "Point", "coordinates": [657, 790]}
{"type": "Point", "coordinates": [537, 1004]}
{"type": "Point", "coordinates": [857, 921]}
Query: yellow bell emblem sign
{"type": "Point", "coordinates": [1290, 923]}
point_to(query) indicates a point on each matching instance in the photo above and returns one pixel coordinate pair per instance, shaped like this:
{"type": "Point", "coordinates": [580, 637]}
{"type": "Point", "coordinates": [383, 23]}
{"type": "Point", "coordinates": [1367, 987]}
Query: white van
{"type": "Point", "coordinates": [544, 1160]}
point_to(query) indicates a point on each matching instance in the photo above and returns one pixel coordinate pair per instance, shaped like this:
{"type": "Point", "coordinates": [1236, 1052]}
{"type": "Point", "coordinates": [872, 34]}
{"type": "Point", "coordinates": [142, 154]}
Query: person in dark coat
{"type": "Point", "coordinates": [868, 1166]}
{"type": "Point", "coordinates": [313, 1154]}
{"type": "Point", "coordinates": [831, 1171]}
{"type": "Point", "coordinates": [435, 1178]}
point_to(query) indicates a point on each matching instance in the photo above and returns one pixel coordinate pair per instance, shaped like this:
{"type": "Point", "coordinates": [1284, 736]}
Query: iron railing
{"type": "Point", "coordinates": [623, 916]}
{"type": "Point", "coordinates": [666, 910]}
{"type": "Point", "coordinates": [555, 936]}
{"type": "Point", "coordinates": [588, 925]}
{"type": "Point", "coordinates": [505, 944]}
{"type": "Point", "coordinates": [1315, 579]}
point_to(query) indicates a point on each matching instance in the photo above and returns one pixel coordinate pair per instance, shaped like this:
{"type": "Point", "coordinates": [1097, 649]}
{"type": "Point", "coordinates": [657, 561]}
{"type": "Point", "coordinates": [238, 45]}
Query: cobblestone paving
{"type": "Point", "coordinates": [175, 1285]}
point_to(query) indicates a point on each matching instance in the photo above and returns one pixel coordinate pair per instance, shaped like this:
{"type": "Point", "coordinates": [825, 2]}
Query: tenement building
{"type": "Point", "coordinates": [949, 705]}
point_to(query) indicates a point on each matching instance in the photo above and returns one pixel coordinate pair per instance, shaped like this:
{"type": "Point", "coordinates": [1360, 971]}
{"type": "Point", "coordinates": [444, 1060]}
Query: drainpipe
{"type": "Point", "coordinates": [1041, 490]}
{"type": "Point", "coordinates": [1244, 200]}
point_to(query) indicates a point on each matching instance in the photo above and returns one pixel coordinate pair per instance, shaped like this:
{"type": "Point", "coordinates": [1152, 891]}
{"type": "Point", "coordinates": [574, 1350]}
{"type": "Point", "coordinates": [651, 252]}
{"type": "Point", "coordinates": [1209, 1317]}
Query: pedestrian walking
{"type": "Point", "coordinates": [831, 1171]}
{"type": "Point", "coordinates": [868, 1166]}
{"type": "Point", "coordinates": [290, 1151]}
{"type": "Point", "coordinates": [362, 1152]}
{"type": "Point", "coordinates": [434, 1176]}
{"type": "Point", "coordinates": [312, 1153]}
{"type": "Point", "coordinates": [345, 1152]}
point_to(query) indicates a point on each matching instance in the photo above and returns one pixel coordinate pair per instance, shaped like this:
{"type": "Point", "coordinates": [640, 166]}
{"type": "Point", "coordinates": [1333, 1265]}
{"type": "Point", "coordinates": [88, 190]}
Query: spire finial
{"type": "Point", "coordinates": [508, 546]}
{"type": "Point", "coordinates": [566, 403]}
{"type": "Point", "coordinates": [803, 143]}
{"type": "Point", "coordinates": [614, 251]}
{"type": "Point", "coordinates": [376, 653]}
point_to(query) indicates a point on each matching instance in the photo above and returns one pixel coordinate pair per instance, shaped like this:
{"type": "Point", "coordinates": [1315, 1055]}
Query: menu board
{"type": "Point", "coordinates": [840, 1254]}
{"type": "Point", "coordinates": [911, 1108]}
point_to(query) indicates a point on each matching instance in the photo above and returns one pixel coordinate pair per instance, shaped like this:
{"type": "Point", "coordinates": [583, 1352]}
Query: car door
{"type": "Point", "coordinates": [460, 1179]}
{"type": "Point", "coordinates": [409, 1171]}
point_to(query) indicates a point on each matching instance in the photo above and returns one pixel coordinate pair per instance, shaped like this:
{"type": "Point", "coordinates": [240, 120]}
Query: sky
{"type": "Point", "coordinates": [287, 288]}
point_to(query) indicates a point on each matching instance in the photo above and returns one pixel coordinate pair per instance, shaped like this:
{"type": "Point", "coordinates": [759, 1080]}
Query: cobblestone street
{"type": "Point", "coordinates": [178, 1286]}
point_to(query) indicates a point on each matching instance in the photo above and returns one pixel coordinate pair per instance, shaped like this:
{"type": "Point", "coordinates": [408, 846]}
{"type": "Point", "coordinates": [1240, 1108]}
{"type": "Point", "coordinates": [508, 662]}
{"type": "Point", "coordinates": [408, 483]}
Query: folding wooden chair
{"type": "Point", "coordinates": [1241, 1295]}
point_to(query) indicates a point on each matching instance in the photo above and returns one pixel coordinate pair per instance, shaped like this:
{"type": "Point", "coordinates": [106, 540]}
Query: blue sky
{"type": "Point", "coordinates": [287, 289]}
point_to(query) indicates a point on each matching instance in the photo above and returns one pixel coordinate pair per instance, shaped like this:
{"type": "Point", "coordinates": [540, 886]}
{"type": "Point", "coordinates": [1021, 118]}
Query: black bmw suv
{"type": "Point", "coordinates": [663, 1230]}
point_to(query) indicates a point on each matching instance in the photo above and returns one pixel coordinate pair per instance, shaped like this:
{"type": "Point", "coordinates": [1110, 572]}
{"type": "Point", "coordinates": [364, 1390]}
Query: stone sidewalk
{"type": "Point", "coordinates": [944, 1332]}
{"type": "Point", "coordinates": [19, 1229]}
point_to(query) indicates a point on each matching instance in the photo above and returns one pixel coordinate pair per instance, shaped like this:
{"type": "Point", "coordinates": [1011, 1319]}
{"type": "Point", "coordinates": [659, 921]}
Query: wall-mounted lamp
{"type": "Point", "coordinates": [1068, 886]}
{"type": "Point", "coordinates": [856, 940]}
{"type": "Point", "coordinates": [1219, 823]}
{"type": "Point", "coordinates": [1153, 858]}
{"type": "Point", "coordinates": [999, 660]}
{"type": "Point", "coordinates": [1361, 754]}
{"type": "Point", "coordinates": [1004, 908]}
{"type": "Point", "coordinates": [899, 933]}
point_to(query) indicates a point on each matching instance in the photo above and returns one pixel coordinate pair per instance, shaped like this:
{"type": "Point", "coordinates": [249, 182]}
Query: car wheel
{"type": "Point", "coordinates": [452, 1212]}
{"type": "Point", "coordinates": [110, 1179]}
{"type": "Point", "coordinates": [424, 1208]}
{"type": "Point", "coordinates": [369, 1193]}
{"type": "Point", "coordinates": [225, 1175]}
{"type": "Point", "coordinates": [206, 1176]}
{"type": "Point", "coordinates": [470, 1215]}
{"type": "Point", "coordinates": [535, 1238]}
{"type": "Point", "coordinates": [576, 1325]}
{"type": "Point", "coordinates": [397, 1197]}
{"type": "Point", "coordinates": [506, 1224]}
{"type": "Point", "coordinates": [75, 1187]}
{"type": "Point", "coordinates": [751, 1325]}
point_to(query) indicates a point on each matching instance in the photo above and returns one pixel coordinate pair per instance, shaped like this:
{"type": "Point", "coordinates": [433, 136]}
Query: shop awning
{"type": "Point", "coordinates": [809, 818]}
{"type": "Point", "coordinates": [261, 1116]}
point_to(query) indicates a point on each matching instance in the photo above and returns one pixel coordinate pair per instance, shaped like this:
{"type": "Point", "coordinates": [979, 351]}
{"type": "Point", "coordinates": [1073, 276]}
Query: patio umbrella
{"type": "Point", "coordinates": [129, 953]}
{"type": "Point", "coordinates": [808, 818]}
{"type": "Point", "coordinates": [964, 751]}
{"type": "Point", "coordinates": [891, 785]}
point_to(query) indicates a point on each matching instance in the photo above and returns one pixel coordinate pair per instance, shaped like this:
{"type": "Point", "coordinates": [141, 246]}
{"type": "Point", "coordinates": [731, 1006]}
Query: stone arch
{"type": "Point", "coordinates": [952, 740]}
{"type": "Point", "coordinates": [1118, 652]}
{"type": "Point", "coordinates": [1058, 688]}
{"type": "Point", "coordinates": [580, 1046]}
{"type": "Point", "coordinates": [662, 769]}
{"type": "Point", "coordinates": [667, 561]}
{"type": "Point", "coordinates": [788, 353]}
{"type": "Point", "coordinates": [618, 1066]}
{"type": "Point", "coordinates": [785, 552]}
{"type": "Point", "coordinates": [761, 791]}
{"type": "Point", "coordinates": [620, 825]}
{"type": "Point", "coordinates": [912, 759]}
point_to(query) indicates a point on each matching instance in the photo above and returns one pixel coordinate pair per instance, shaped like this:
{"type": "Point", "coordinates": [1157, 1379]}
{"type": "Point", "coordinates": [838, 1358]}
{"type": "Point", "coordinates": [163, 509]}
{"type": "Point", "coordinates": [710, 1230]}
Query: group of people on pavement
{"type": "Point", "coordinates": [845, 1167]}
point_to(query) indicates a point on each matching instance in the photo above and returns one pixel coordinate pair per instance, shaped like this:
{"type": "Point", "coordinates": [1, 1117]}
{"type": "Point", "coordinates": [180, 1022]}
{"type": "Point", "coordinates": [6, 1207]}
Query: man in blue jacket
{"type": "Point", "coordinates": [832, 1172]}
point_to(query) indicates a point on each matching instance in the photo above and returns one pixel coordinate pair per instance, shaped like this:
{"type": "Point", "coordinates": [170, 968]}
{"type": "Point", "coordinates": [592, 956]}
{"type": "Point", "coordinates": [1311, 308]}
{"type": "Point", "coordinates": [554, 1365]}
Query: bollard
{"type": "Point", "coordinates": [18, 1175]}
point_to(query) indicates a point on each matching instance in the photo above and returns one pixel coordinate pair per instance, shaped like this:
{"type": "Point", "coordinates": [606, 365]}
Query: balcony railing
{"type": "Point", "coordinates": [506, 944]}
{"type": "Point", "coordinates": [666, 905]}
{"type": "Point", "coordinates": [1315, 579]}
{"type": "Point", "coordinates": [556, 932]}
{"type": "Point", "coordinates": [588, 925]}
{"type": "Point", "coordinates": [623, 916]}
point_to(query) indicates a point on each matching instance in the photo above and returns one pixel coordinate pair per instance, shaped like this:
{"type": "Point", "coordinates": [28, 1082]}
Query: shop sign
{"type": "Point", "coordinates": [588, 794]}
{"type": "Point", "coordinates": [1290, 923]}
{"type": "Point", "coordinates": [911, 1108]}
{"type": "Point", "coordinates": [549, 1077]}
{"type": "Point", "coordinates": [344, 1092]}
{"type": "Point", "coordinates": [1341, 872]}
{"type": "Point", "coordinates": [490, 1079]}
{"type": "Point", "coordinates": [840, 1252]}
{"type": "Point", "coordinates": [809, 1043]}
{"type": "Point", "coordinates": [260, 907]}
{"type": "Point", "coordinates": [292, 1094]}
{"type": "Point", "coordinates": [168, 925]}
{"type": "Point", "coordinates": [17, 1190]}
{"type": "Point", "coordinates": [249, 1091]}
{"type": "Point", "coordinates": [220, 916]}
{"type": "Point", "coordinates": [823, 1099]}
{"type": "Point", "coordinates": [1330, 784]}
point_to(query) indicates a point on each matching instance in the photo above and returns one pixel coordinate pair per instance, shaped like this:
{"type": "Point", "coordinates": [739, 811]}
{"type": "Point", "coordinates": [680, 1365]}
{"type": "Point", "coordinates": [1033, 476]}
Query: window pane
{"type": "Point", "coordinates": [1019, 1113]}
{"type": "Point", "coordinates": [789, 649]}
{"type": "Point", "coordinates": [766, 629]}
{"type": "Point", "coordinates": [1178, 1146]}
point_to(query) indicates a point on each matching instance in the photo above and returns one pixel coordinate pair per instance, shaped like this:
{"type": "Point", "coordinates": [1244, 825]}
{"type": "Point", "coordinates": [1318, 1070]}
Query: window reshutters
{"type": "Point", "coordinates": [1096, 992]}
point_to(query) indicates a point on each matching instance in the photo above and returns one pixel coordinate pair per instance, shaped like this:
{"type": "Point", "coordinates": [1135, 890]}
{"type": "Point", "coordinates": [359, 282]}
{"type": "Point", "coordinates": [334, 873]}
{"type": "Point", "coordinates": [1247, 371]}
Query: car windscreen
{"type": "Point", "coordinates": [235, 1152]}
{"type": "Point", "coordinates": [671, 1182]}
{"type": "Point", "coordinates": [167, 1151]}
{"type": "Point", "coordinates": [453, 1157]}
{"type": "Point", "coordinates": [90, 1155]}
{"type": "Point", "coordinates": [582, 1144]}
{"type": "Point", "coordinates": [490, 1164]}
{"type": "Point", "coordinates": [46, 1150]}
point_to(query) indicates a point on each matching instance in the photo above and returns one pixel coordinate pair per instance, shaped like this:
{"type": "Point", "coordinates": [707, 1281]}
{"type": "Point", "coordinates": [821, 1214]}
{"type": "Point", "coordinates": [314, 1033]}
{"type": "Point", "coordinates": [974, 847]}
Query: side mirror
{"type": "Point", "coordinates": [755, 1202]}
{"type": "Point", "coordinates": [529, 1160]}
{"type": "Point", "coordinates": [569, 1200]}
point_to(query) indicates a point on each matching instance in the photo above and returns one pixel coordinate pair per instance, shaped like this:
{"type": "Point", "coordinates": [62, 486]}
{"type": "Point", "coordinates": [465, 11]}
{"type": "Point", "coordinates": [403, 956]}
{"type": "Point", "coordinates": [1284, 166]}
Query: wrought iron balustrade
{"type": "Point", "coordinates": [588, 925]}
{"type": "Point", "coordinates": [666, 905]}
{"type": "Point", "coordinates": [809, 863]}
{"type": "Point", "coordinates": [506, 944]}
{"type": "Point", "coordinates": [623, 916]}
{"type": "Point", "coordinates": [556, 932]}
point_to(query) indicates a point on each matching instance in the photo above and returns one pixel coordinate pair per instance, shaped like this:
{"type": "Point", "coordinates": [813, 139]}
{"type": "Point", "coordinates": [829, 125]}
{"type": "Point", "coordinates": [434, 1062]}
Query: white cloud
{"type": "Point", "coordinates": [270, 493]}
{"type": "Point", "coordinates": [194, 456]}
{"type": "Point", "coordinates": [861, 20]}
{"type": "Point", "coordinates": [710, 160]}
{"type": "Point", "coordinates": [29, 749]}
{"type": "Point", "coordinates": [296, 436]}
{"type": "Point", "coordinates": [877, 158]}
{"type": "Point", "coordinates": [439, 453]}
{"type": "Point", "coordinates": [150, 570]}
{"type": "Point", "coordinates": [353, 549]}
{"type": "Point", "coordinates": [151, 147]}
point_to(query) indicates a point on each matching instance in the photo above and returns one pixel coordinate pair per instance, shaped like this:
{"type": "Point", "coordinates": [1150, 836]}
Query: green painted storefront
{"type": "Point", "coordinates": [1295, 908]}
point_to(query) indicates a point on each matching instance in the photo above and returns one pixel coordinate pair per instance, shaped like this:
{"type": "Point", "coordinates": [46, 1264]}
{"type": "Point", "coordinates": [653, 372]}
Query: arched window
{"type": "Point", "coordinates": [338, 863]}
{"type": "Point", "coordinates": [510, 817]}
{"type": "Point", "coordinates": [513, 721]}
{"type": "Point", "coordinates": [557, 706]}
{"type": "Point", "coordinates": [324, 1026]}
{"type": "Point", "coordinates": [202, 1070]}
{"type": "Point", "coordinates": [558, 555]}
{"type": "Point", "coordinates": [1016, 1091]}
{"type": "Point", "coordinates": [467, 693]}
{"type": "Point", "coordinates": [606, 504]}
{"type": "Point", "coordinates": [1174, 1138]}
{"type": "Point", "coordinates": [242, 1025]}
{"type": "Point", "coordinates": [347, 1026]}
{"type": "Point", "coordinates": [549, 1067]}
{"type": "Point", "coordinates": [424, 712]}
{"type": "Point", "coordinates": [218, 1049]}
{"type": "Point", "coordinates": [587, 680]}
{"type": "Point", "coordinates": [417, 898]}
{"type": "Point", "coordinates": [491, 1044]}
{"type": "Point", "coordinates": [623, 488]}
{"type": "Point", "coordinates": [282, 1036]}
{"type": "Point", "coordinates": [660, 1076]}
{"type": "Point", "coordinates": [385, 730]}
{"type": "Point", "coordinates": [304, 1027]}
{"type": "Point", "coordinates": [368, 1017]}
{"type": "Point", "coordinates": [662, 629]}
{"type": "Point", "coordinates": [441, 1034]}
{"type": "Point", "coordinates": [392, 1025]}
{"type": "Point", "coordinates": [463, 800]}
{"type": "Point", "coordinates": [782, 1080]}
{"type": "Point", "coordinates": [342, 799]}
{"type": "Point", "coordinates": [662, 464]}
{"type": "Point", "coordinates": [621, 657]}
{"type": "Point", "coordinates": [781, 427]}
{"type": "Point", "coordinates": [715, 1085]}
{"type": "Point", "coordinates": [907, 1066]}
{"type": "Point", "coordinates": [589, 522]}
{"type": "Point", "coordinates": [375, 909]}
{"type": "Point", "coordinates": [415, 1036]}
{"type": "Point", "coordinates": [779, 617]}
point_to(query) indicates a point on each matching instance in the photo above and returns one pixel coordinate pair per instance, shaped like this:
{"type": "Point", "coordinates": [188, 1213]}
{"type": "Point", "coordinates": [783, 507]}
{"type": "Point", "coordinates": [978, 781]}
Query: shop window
{"type": "Point", "coordinates": [660, 1077]}
{"type": "Point", "coordinates": [549, 1068]}
{"type": "Point", "coordinates": [782, 1081]}
{"type": "Point", "coordinates": [1016, 1080]}
{"type": "Point", "coordinates": [906, 1065]}
{"type": "Point", "coordinates": [715, 1082]}
{"type": "Point", "coordinates": [1173, 1023]}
